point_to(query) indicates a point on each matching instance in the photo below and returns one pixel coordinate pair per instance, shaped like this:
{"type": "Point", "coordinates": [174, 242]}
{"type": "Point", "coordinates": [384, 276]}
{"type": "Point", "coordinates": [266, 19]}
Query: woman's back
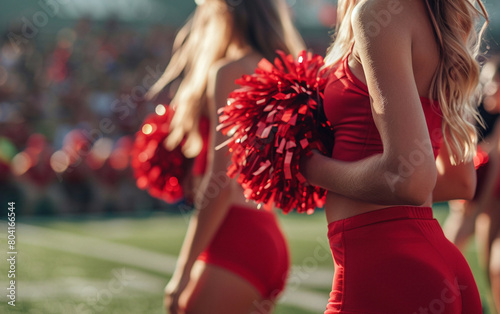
{"type": "Point", "coordinates": [224, 73]}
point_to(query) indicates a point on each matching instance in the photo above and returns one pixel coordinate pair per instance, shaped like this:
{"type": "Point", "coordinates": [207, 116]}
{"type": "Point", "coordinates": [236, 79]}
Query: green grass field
{"type": "Point", "coordinates": [121, 264]}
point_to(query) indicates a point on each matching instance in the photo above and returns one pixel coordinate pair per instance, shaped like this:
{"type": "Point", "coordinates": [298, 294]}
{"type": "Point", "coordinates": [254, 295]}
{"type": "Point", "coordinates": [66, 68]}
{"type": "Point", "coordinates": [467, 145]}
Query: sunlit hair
{"type": "Point", "coordinates": [264, 25]}
{"type": "Point", "coordinates": [455, 83]}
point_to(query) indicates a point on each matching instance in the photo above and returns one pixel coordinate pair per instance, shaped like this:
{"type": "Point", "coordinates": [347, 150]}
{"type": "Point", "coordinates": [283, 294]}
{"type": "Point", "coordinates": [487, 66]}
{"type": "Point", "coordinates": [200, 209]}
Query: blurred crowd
{"type": "Point", "coordinates": [68, 111]}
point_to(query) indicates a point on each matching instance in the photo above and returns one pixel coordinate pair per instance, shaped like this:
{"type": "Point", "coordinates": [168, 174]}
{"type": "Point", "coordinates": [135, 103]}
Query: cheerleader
{"type": "Point", "coordinates": [234, 258]}
{"type": "Point", "coordinates": [402, 76]}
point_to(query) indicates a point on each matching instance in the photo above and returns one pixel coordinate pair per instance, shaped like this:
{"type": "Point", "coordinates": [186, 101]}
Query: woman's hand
{"type": "Point", "coordinates": [173, 291]}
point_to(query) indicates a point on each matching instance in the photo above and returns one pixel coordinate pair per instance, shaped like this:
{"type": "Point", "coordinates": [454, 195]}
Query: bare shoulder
{"type": "Point", "coordinates": [226, 69]}
{"type": "Point", "coordinates": [219, 72]}
{"type": "Point", "coordinates": [224, 73]}
{"type": "Point", "coordinates": [372, 18]}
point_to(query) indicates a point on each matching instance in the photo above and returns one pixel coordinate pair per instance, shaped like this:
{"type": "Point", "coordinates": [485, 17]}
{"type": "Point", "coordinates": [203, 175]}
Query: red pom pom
{"type": "Point", "coordinates": [481, 158]}
{"type": "Point", "coordinates": [274, 121]}
{"type": "Point", "coordinates": [156, 169]}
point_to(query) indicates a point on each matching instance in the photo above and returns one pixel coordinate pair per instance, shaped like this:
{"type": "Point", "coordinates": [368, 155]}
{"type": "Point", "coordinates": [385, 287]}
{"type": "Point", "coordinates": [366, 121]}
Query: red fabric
{"type": "Point", "coordinates": [397, 260]}
{"type": "Point", "coordinates": [347, 107]}
{"type": "Point", "coordinates": [250, 244]}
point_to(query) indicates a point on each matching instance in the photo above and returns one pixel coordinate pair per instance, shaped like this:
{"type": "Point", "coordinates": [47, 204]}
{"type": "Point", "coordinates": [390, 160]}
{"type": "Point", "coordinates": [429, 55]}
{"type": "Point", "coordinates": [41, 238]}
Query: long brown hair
{"type": "Point", "coordinates": [455, 83]}
{"type": "Point", "coordinates": [264, 25]}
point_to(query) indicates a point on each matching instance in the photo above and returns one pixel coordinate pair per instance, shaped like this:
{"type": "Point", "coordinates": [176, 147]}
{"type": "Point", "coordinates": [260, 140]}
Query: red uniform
{"type": "Point", "coordinates": [250, 244]}
{"type": "Point", "coordinates": [394, 260]}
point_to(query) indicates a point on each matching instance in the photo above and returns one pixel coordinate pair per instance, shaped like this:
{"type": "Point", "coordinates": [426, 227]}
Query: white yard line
{"type": "Point", "coordinates": [82, 289]}
{"type": "Point", "coordinates": [162, 263]}
{"type": "Point", "coordinates": [78, 288]}
{"type": "Point", "coordinates": [97, 248]}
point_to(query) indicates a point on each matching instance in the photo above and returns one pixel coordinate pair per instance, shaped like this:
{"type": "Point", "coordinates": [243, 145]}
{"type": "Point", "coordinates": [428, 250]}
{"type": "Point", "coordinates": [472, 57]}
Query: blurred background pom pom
{"type": "Point", "coordinates": [34, 161]}
{"type": "Point", "coordinates": [159, 171]}
{"type": "Point", "coordinates": [68, 162]}
{"type": "Point", "coordinates": [109, 161]}
{"type": "Point", "coordinates": [274, 120]}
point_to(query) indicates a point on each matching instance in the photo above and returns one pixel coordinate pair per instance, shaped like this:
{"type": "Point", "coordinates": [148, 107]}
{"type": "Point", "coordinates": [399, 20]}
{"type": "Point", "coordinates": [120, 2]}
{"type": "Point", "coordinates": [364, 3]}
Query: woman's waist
{"type": "Point", "coordinates": [338, 207]}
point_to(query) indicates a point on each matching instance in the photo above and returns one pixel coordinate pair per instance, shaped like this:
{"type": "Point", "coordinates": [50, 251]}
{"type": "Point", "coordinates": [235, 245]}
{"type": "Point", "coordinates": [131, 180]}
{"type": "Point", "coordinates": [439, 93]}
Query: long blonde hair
{"type": "Point", "coordinates": [264, 25]}
{"type": "Point", "coordinates": [455, 83]}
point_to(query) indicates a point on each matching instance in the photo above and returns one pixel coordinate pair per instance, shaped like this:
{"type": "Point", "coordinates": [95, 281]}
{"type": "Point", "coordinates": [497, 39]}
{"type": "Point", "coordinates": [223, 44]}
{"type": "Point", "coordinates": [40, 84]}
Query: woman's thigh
{"type": "Point", "coordinates": [213, 289]}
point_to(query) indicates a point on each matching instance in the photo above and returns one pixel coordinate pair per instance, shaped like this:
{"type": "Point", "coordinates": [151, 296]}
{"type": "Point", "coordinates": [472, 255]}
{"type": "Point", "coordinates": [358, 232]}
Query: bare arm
{"type": "Point", "coordinates": [453, 181]}
{"type": "Point", "coordinates": [214, 197]}
{"type": "Point", "coordinates": [213, 200]}
{"type": "Point", "coordinates": [459, 182]}
{"type": "Point", "coordinates": [398, 115]}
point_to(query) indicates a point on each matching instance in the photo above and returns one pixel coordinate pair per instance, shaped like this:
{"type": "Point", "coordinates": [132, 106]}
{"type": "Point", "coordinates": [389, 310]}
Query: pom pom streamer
{"type": "Point", "coordinates": [159, 171]}
{"type": "Point", "coordinates": [273, 121]}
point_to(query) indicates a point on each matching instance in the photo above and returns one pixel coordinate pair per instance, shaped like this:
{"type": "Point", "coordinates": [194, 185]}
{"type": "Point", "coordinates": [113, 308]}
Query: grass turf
{"type": "Point", "coordinates": [54, 281]}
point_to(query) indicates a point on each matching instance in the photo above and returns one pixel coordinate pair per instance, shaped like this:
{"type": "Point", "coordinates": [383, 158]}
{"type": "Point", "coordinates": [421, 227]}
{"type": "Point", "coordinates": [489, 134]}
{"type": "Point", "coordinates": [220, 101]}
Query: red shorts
{"type": "Point", "coordinates": [397, 260]}
{"type": "Point", "coordinates": [250, 244]}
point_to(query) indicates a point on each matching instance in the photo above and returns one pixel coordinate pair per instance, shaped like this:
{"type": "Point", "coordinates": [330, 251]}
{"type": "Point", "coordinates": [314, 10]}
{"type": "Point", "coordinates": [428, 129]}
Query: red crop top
{"type": "Point", "coordinates": [347, 107]}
